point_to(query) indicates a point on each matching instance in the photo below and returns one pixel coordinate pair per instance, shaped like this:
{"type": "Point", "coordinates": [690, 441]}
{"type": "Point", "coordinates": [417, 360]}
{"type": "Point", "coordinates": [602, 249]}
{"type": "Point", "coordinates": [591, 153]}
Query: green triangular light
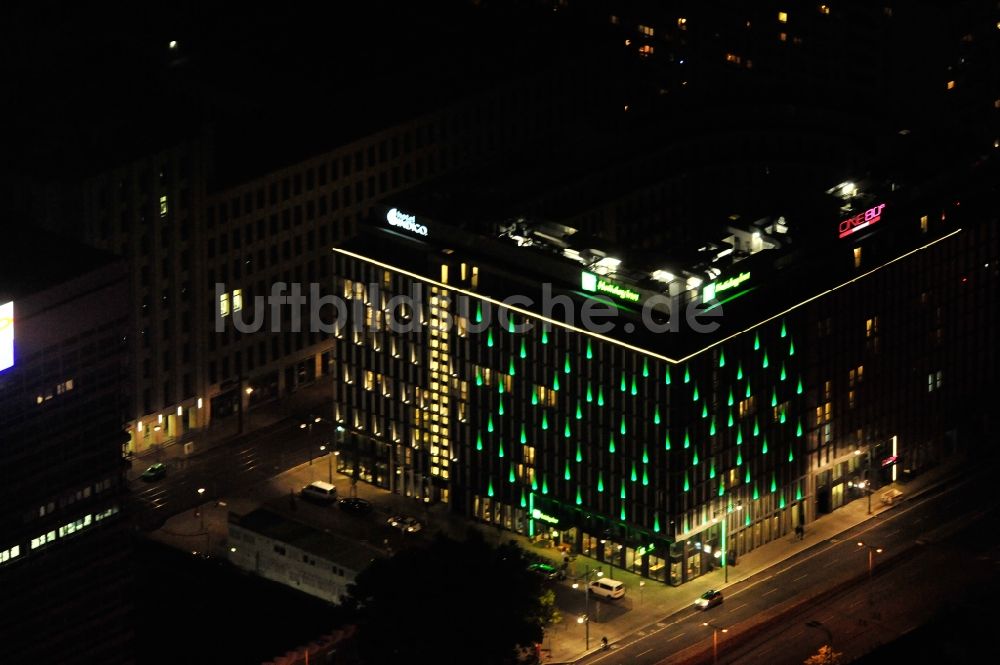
{"type": "Point", "coordinates": [510, 324]}
{"type": "Point", "coordinates": [666, 442]}
{"type": "Point", "coordinates": [634, 477]}
{"type": "Point", "coordinates": [774, 485]}
{"type": "Point", "coordinates": [479, 377]}
{"type": "Point", "coordinates": [748, 391]}
{"type": "Point", "coordinates": [579, 453]}
{"type": "Point", "coordinates": [479, 441]}
{"type": "Point", "coordinates": [774, 397]}
{"type": "Point", "coordinates": [763, 448]}
{"type": "Point", "coordinates": [600, 395]}
{"type": "Point", "coordinates": [500, 452]}
{"type": "Point", "coordinates": [545, 420]}
{"type": "Point", "coordinates": [489, 423]}
{"type": "Point", "coordinates": [566, 474]}
{"type": "Point", "coordinates": [500, 407]}
{"type": "Point", "coordinates": [579, 499]}
{"type": "Point", "coordinates": [791, 454]}
{"type": "Point", "coordinates": [704, 409]}
{"type": "Point", "coordinates": [500, 387]}
{"type": "Point", "coordinates": [694, 461]}
{"type": "Point", "coordinates": [645, 454]}
{"type": "Point", "coordinates": [600, 482]}
{"type": "Point", "coordinates": [489, 338]}
{"type": "Point", "coordinates": [739, 436]}
{"type": "Point", "coordinates": [687, 374]}
{"type": "Point", "coordinates": [524, 436]}
{"type": "Point", "coordinates": [524, 350]}
{"type": "Point", "coordinates": [756, 427]}
{"type": "Point", "coordinates": [534, 396]}
{"type": "Point", "coordinates": [645, 368]}
{"type": "Point", "coordinates": [479, 312]}
{"type": "Point", "coordinates": [545, 483]}
{"type": "Point", "coordinates": [489, 489]}
{"type": "Point", "coordinates": [656, 415]}
{"type": "Point", "coordinates": [635, 391]}
{"type": "Point", "coordinates": [621, 513]}
{"type": "Point", "coordinates": [756, 494]}
{"type": "Point", "coordinates": [545, 335]}
{"type": "Point", "coordinates": [746, 479]}
{"type": "Point", "coordinates": [798, 428]}
{"type": "Point", "coordinates": [765, 363]}
{"type": "Point", "coordinates": [784, 374]}
{"type": "Point", "coordinates": [645, 476]}
{"type": "Point", "coordinates": [791, 347]}
{"type": "Point", "coordinates": [623, 386]}
{"type": "Point", "coordinates": [739, 458]}
{"type": "Point", "coordinates": [730, 401]}
{"type": "Point", "coordinates": [722, 358]}
{"type": "Point", "coordinates": [798, 390]}
{"type": "Point", "coordinates": [622, 428]}
{"type": "Point", "coordinates": [798, 492]}
{"type": "Point", "coordinates": [711, 469]}
{"type": "Point", "coordinates": [729, 423]}
{"type": "Point", "coordinates": [784, 332]}
{"type": "Point", "coordinates": [590, 393]}
{"type": "Point", "coordinates": [579, 411]}
{"type": "Point", "coordinates": [656, 523]}
{"type": "Point", "coordinates": [711, 429]}
{"type": "Point", "coordinates": [510, 476]}
{"type": "Point", "coordinates": [739, 371]}
{"type": "Point", "coordinates": [782, 418]}
{"type": "Point", "coordinates": [687, 484]}
{"type": "Point", "coordinates": [687, 440]}
{"type": "Point", "coordinates": [590, 352]}
{"type": "Point", "coordinates": [566, 365]}
{"type": "Point", "coordinates": [524, 502]}
{"type": "Point", "coordinates": [781, 501]}
{"type": "Point", "coordinates": [722, 488]}
{"type": "Point", "coordinates": [694, 395]}
{"type": "Point", "coordinates": [611, 443]}
{"type": "Point", "coordinates": [756, 341]}
{"type": "Point", "coordinates": [555, 381]}
{"type": "Point", "coordinates": [746, 522]}
{"type": "Point", "coordinates": [666, 376]}
{"type": "Point", "coordinates": [566, 429]}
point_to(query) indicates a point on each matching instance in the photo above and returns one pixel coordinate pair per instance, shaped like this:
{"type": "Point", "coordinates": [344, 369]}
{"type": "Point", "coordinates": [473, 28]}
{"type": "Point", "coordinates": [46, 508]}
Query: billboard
{"type": "Point", "coordinates": [6, 336]}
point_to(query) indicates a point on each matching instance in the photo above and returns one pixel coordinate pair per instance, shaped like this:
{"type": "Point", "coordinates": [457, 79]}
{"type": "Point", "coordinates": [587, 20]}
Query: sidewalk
{"type": "Point", "coordinates": [655, 601]}
{"type": "Point", "coordinates": [308, 399]}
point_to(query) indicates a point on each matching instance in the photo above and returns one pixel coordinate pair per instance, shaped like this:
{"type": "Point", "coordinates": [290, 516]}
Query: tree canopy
{"type": "Point", "coordinates": [455, 601]}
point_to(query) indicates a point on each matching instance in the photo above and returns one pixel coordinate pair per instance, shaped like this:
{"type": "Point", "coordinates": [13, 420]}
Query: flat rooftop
{"type": "Point", "coordinates": [330, 546]}
{"type": "Point", "coordinates": [32, 261]}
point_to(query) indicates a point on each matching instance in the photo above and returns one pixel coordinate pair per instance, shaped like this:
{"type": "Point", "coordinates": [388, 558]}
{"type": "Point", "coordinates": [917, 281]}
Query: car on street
{"type": "Point", "coordinates": [355, 505]}
{"type": "Point", "coordinates": [319, 492]}
{"type": "Point", "coordinates": [710, 598]}
{"type": "Point", "coordinates": [155, 472]}
{"type": "Point", "coordinates": [607, 588]}
{"type": "Point", "coordinates": [547, 570]}
{"type": "Point", "coordinates": [405, 523]}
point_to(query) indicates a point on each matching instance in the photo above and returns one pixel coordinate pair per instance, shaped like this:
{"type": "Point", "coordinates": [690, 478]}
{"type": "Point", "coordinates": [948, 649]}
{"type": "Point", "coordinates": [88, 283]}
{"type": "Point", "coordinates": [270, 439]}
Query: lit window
{"type": "Point", "coordinates": [824, 9]}
{"type": "Point", "coordinates": [224, 304]}
{"type": "Point", "coordinates": [732, 57]}
{"type": "Point", "coordinates": [614, 19]}
{"type": "Point", "coordinates": [163, 206]}
{"type": "Point", "coordinates": [782, 17]}
{"type": "Point", "coordinates": [951, 85]}
{"type": "Point", "coordinates": [923, 223]}
{"type": "Point", "coordinates": [646, 50]}
{"type": "Point", "coordinates": [783, 36]}
{"type": "Point", "coordinates": [682, 23]}
{"type": "Point", "coordinates": [857, 257]}
{"type": "Point", "coordinates": [237, 300]}
{"type": "Point", "coordinates": [646, 30]}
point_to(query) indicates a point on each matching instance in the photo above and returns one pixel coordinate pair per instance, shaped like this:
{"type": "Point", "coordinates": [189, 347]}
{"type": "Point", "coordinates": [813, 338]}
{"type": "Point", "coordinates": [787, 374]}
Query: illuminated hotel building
{"type": "Point", "coordinates": [857, 332]}
{"type": "Point", "coordinates": [65, 582]}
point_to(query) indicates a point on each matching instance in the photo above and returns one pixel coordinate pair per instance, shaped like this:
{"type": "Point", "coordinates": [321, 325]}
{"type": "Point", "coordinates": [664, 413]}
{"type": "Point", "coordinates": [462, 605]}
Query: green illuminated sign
{"type": "Point", "coordinates": [539, 515]}
{"type": "Point", "coordinates": [712, 290]}
{"type": "Point", "coordinates": [593, 283]}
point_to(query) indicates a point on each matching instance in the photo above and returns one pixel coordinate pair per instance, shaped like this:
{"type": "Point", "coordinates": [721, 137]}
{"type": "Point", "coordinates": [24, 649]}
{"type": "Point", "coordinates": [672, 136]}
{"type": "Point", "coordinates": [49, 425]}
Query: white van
{"type": "Point", "coordinates": [607, 588]}
{"type": "Point", "coordinates": [320, 492]}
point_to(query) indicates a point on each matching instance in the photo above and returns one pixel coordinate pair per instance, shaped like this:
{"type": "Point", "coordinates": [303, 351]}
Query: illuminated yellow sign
{"type": "Point", "coordinates": [6, 336]}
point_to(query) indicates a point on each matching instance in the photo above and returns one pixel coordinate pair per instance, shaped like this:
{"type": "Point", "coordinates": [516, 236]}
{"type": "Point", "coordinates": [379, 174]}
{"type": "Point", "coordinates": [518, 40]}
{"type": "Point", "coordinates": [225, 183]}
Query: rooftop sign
{"type": "Point", "coordinates": [711, 291]}
{"type": "Point", "coordinates": [591, 282]}
{"type": "Point", "coordinates": [861, 220]}
{"type": "Point", "coordinates": [6, 336]}
{"type": "Point", "coordinates": [406, 222]}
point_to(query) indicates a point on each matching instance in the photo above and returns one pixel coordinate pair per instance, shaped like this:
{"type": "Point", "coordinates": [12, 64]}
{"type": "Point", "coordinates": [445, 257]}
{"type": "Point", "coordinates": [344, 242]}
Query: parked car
{"type": "Point", "coordinates": [355, 505]}
{"type": "Point", "coordinates": [405, 523]}
{"type": "Point", "coordinates": [319, 492]}
{"type": "Point", "coordinates": [607, 588]}
{"type": "Point", "coordinates": [548, 571]}
{"type": "Point", "coordinates": [710, 598]}
{"type": "Point", "coordinates": [155, 472]}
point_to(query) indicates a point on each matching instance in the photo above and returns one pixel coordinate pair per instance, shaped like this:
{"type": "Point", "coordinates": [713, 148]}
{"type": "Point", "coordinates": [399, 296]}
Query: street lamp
{"type": "Point", "coordinates": [642, 584]}
{"type": "Point", "coordinates": [586, 601]}
{"type": "Point", "coordinates": [329, 462]}
{"type": "Point", "coordinates": [715, 639]}
{"type": "Point", "coordinates": [872, 551]}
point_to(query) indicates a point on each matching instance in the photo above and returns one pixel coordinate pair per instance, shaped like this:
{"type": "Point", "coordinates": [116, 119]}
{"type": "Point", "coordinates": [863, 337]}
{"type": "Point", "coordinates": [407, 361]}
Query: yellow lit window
{"type": "Point", "coordinates": [857, 257]}
{"type": "Point", "coordinates": [224, 304]}
{"type": "Point", "coordinates": [783, 36]}
{"type": "Point", "coordinates": [444, 273]}
{"type": "Point", "coordinates": [951, 85]}
{"type": "Point", "coordinates": [782, 17]}
{"type": "Point", "coordinates": [824, 9]}
{"type": "Point", "coordinates": [163, 206]}
{"type": "Point", "coordinates": [475, 277]}
{"type": "Point", "coordinates": [682, 23]}
{"type": "Point", "coordinates": [646, 50]}
{"type": "Point", "coordinates": [646, 30]}
{"type": "Point", "coordinates": [237, 300]}
{"type": "Point", "coordinates": [923, 223]}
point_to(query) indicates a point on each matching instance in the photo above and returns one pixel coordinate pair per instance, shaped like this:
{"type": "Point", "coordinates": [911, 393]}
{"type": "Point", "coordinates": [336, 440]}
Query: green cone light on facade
{"type": "Point", "coordinates": [479, 312]}
{"type": "Point", "coordinates": [756, 341]}
{"type": "Point", "coordinates": [566, 365]}
{"type": "Point", "coordinates": [590, 352]}
{"type": "Point", "coordinates": [611, 443]}
{"type": "Point", "coordinates": [694, 395]}
{"type": "Point", "coordinates": [645, 454]}
{"type": "Point", "coordinates": [566, 429]}
{"type": "Point", "coordinates": [763, 448]}
{"type": "Point", "coordinates": [774, 485]}
{"type": "Point", "coordinates": [722, 358]}
{"type": "Point", "coordinates": [798, 389]}
{"type": "Point", "coordinates": [510, 324]}
{"type": "Point", "coordinates": [784, 374]}
{"type": "Point", "coordinates": [704, 409]}
{"type": "Point", "coordinates": [739, 371]}
{"type": "Point", "coordinates": [621, 494]}
{"type": "Point", "coordinates": [730, 401]}
{"type": "Point", "coordinates": [781, 501]}
{"type": "Point", "coordinates": [600, 482]}
{"type": "Point", "coordinates": [791, 347]}
{"type": "Point", "coordinates": [489, 488]}
{"type": "Point", "coordinates": [500, 407]}
{"type": "Point", "coordinates": [645, 476]}
{"type": "Point", "coordinates": [756, 427]}
{"type": "Point", "coordinates": [687, 484]}
{"type": "Point", "coordinates": [784, 332]}
{"type": "Point", "coordinates": [666, 376]}
{"type": "Point", "coordinates": [722, 487]}
{"type": "Point", "coordinates": [489, 423]}
{"type": "Point", "coordinates": [748, 390]}
{"type": "Point", "coordinates": [510, 476]}
{"type": "Point", "coordinates": [500, 386]}
{"type": "Point", "coordinates": [479, 441]}
{"type": "Point", "coordinates": [798, 428]}
{"type": "Point", "coordinates": [729, 423]}
{"type": "Point", "coordinates": [545, 420]}
{"type": "Point", "coordinates": [782, 418]}
{"type": "Point", "coordinates": [479, 377]}
{"type": "Point", "coordinates": [545, 335]}
{"type": "Point", "coordinates": [765, 363]}
{"type": "Point", "coordinates": [711, 429]}
{"type": "Point", "coordinates": [579, 453]}
{"type": "Point", "coordinates": [656, 523]}
{"type": "Point", "coordinates": [622, 512]}
{"type": "Point", "coordinates": [534, 483]}
{"type": "Point", "coordinates": [555, 381]}
{"type": "Point", "coordinates": [798, 492]}
{"type": "Point", "coordinates": [622, 429]}
{"type": "Point", "coordinates": [756, 494]}
{"type": "Point", "coordinates": [524, 502]}
{"type": "Point", "coordinates": [645, 368]}
{"type": "Point", "coordinates": [635, 390]}
{"type": "Point", "coordinates": [774, 398]}
{"type": "Point", "coordinates": [500, 451]}
{"type": "Point", "coordinates": [489, 338]}
{"type": "Point", "coordinates": [739, 436]}
{"type": "Point", "coordinates": [666, 441]}
{"type": "Point", "coordinates": [545, 483]}
{"type": "Point", "coordinates": [739, 458]}
{"type": "Point", "coordinates": [694, 461]}
{"type": "Point", "coordinates": [579, 412]}
{"type": "Point", "coordinates": [579, 499]}
{"type": "Point", "coordinates": [634, 476]}
{"type": "Point", "coordinates": [624, 387]}
{"type": "Point", "coordinates": [791, 454]}
{"type": "Point", "coordinates": [746, 478]}
{"type": "Point", "coordinates": [687, 374]}
{"type": "Point", "coordinates": [687, 439]}
{"type": "Point", "coordinates": [566, 474]}
{"type": "Point", "coordinates": [534, 396]}
{"type": "Point", "coordinates": [524, 435]}
{"type": "Point", "coordinates": [590, 393]}
{"type": "Point", "coordinates": [711, 468]}
{"type": "Point", "coordinates": [600, 395]}
{"type": "Point", "coordinates": [656, 414]}
{"type": "Point", "coordinates": [524, 350]}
